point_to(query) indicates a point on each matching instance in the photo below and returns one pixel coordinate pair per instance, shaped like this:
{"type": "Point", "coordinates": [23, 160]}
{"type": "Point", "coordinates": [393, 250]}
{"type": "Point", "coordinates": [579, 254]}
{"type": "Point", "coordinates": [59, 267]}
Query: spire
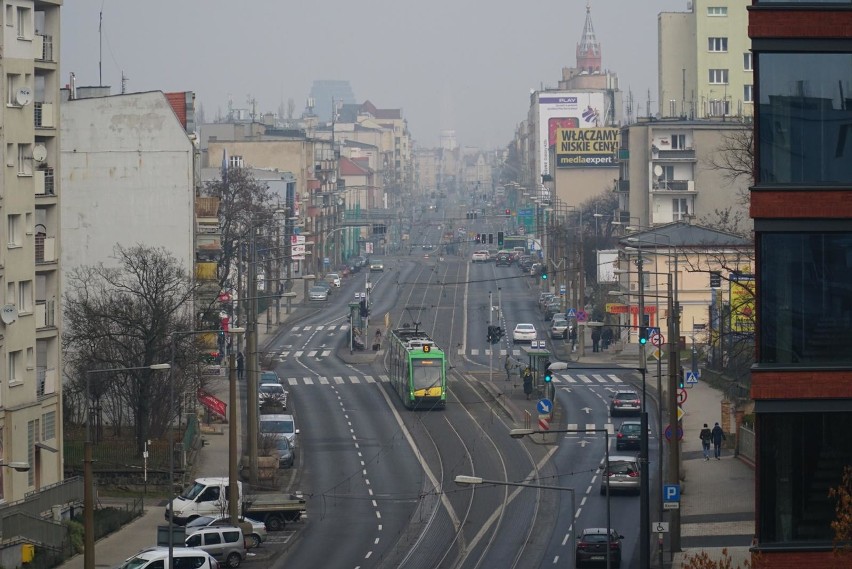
{"type": "Point", "coordinates": [589, 49]}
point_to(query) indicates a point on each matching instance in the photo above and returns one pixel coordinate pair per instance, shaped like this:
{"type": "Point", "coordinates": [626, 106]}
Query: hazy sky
{"type": "Point", "coordinates": [462, 64]}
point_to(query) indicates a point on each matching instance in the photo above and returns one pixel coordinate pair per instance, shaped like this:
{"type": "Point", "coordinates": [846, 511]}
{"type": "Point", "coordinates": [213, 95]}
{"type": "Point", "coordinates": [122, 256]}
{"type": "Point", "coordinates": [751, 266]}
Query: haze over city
{"type": "Point", "coordinates": [447, 65]}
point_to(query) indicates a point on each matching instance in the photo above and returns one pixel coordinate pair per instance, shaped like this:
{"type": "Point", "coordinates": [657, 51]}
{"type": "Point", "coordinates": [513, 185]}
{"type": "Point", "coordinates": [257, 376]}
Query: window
{"type": "Point", "coordinates": [25, 296]}
{"type": "Point", "coordinates": [718, 76]}
{"type": "Point", "coordinates": [805, 118]}
{"type": "Point", "coordinates": [678, 142]}
{"type": "Point", "coordinates": [33, 433]}
{"type": "Point", "coordinates": [23, 22]}
{"type": "Point", "coordinates": [235, 162]}
{"type": "Point", "coordinates": [48, 426]}
{"type": "Point", "coordinates": [748, 93]}
{"type": "Point", "coordinates": [14, 225]}
{"type": "Point", "coordinates": [680, 208]}
{"type": "Point", "coordinates": [718, 108]}
{"type": "Point", "coordinates": [10, 293]}
{"type": "Point", "coordinates": [717, 44]}
{"type": "Point", "coordinates": [717, 11]}
{"type": "Point", "coordinates": [25, 160]}
{"type": "Point", "coordinates": [748, 61]}
{"type": "Point", "coordinates": [805, 306]}
{"type": "Point", "coordinates": [801, 455]}
{"type": "Point", "coordinates": [16, 366]}
{"type": "Point", "coordinates": [14, 81]}
{"type": "Point", "coordinates": [11, 154]}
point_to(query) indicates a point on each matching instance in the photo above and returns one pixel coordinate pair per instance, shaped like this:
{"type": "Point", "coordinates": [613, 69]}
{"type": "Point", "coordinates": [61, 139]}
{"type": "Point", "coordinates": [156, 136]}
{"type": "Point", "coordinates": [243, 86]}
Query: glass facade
{"type": "Point", "coordinates": [805, 307]}
{"type": "Point", "coordinates": [805, 118]}
{"type": "Point", "coordinates": [801, 457]}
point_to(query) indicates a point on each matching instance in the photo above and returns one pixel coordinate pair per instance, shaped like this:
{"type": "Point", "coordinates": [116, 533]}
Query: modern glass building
{"type": "Point", "coordinates": [801, 203]}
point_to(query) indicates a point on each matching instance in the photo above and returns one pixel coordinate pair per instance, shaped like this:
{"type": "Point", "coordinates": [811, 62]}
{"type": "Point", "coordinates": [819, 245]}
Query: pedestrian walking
{"type": "Point", "coordinates": [572, 338]}
{"type": "Point", "coordinates": [377, 340]}
{"type": "Point", "coordinates": [508, 365]}
{"type": "Point", "coordinates": [606, 337]}
{"type": "Point", "coordinates": [596, 339]}
{"type": "Point", "coordinates": [240, 365]}
{"type": "Point", "coordinates": [718, 437]}
{"type": "Point", "coordinates": [706, 435]}
{"type": "Point", "coordinates": [527, 377]}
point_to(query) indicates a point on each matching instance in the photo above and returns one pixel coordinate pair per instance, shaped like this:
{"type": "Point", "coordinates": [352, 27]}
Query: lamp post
{"type": "Point", "coordinates": [521, 433]}
{"type": "Point", "coordinates": [462, 479]}
{"type": "Point", "coordinates": [88, 474]}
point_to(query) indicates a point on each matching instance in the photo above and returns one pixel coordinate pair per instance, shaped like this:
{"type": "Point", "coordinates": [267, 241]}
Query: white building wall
{"type": "Point", "coordinates": [127, 174]}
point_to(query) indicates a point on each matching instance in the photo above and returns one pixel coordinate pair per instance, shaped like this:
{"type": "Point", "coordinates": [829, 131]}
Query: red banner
{"type": "Point", "coordinates": [211, 402]}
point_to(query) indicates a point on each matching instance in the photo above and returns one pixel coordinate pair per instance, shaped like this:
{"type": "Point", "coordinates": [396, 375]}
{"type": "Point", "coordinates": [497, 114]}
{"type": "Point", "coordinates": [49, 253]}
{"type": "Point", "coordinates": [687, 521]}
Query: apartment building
{"type": "Point", "coordinates": [801, 203]}
{"type": "Point", "coordinates": [705, 61]}
{"type": "Point", "coordinates": [30, 347]}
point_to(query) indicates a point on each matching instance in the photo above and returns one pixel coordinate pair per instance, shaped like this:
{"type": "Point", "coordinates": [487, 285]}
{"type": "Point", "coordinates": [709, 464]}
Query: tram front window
{"type": "Point", "coordinates": [426, 373]}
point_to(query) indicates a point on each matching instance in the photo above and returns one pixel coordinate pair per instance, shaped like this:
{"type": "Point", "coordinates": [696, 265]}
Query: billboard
{"type": "Point", "coordinates": [742, 304]}
{"type": "Point", "coordinates": [586, 147]}
{"type": "Point", "coordinates": [557, 109]}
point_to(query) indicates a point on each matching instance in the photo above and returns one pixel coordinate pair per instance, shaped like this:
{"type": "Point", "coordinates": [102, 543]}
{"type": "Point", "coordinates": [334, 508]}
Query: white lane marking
{"type": "Point", "coordinates": [308, 381]}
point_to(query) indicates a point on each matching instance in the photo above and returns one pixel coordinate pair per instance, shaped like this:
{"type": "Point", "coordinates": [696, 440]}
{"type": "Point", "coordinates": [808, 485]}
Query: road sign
{"type": "Point", "coordinates": [681, 396]}
{"type": "Point", "coordinates": [656, 353]}
{"type": "Point", "coordinates": [582, 316]}
{"type": "Point", "coordinates": [680, 412]}
{"type": "Point", "coordinates": [671, 505]}
{"type": "Point", "coordinates": [668, 433]}
{"type": "Point", "coordinates": [653, 330]}
{"type": "Point", "coordinates": [562, 289]}
{"type": "Point", "coordinates": [671, 492]}
{"type": "Point", "coordinates": [691, 377]}
{"type": "Point", "coordinates": [658, 340]}
{"type": "Point", "coordinates": [661, 527]}
{"type": "Point", "coordinates": [543, 423]}
{"type": "Point", "coordinates": [544, 406]}
{"type": "Point", "coordinates": [571, 313]}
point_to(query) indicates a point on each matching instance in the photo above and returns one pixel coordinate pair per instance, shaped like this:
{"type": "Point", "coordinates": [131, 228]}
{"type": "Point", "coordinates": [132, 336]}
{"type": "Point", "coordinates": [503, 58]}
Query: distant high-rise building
{"type": "Point", "coordinates": [323, 91]}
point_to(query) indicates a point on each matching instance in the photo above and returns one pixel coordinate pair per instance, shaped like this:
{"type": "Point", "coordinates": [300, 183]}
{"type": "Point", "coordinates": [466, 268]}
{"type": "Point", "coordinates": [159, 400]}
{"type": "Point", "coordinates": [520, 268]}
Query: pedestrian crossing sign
{"type": "Point", "coordinates": [691, 377]}
{"type": "Point", "coordinates": [571, 313]}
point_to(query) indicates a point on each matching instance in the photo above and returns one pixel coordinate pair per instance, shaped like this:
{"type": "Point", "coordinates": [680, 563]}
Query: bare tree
{"type": "Point", "coordinates": [124, 317]}
{"type": "Point", "coordinates": [735, 159]}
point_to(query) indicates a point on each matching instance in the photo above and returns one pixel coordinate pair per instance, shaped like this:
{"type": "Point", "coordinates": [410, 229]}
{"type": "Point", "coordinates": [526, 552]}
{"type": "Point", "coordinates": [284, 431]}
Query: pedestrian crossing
{"type": "Point", "coordinates": [562, 379]}
{"type": "Point", "coordinates": [321, 328]}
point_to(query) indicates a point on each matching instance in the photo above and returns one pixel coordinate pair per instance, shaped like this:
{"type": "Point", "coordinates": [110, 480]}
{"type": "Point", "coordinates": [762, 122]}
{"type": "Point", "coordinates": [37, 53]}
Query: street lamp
{"type": "Point", "coordinates": [88, 475]}
{"type": "Point", "coordinates": [464, 480]}
{"type": "Point", "coordinates": [521, 433]}
{"type": "Point", "coordinates": [232, 433]}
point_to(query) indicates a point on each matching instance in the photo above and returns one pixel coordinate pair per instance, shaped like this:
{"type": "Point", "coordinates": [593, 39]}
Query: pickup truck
{"type": "Point", "coordinates": [274, 509]}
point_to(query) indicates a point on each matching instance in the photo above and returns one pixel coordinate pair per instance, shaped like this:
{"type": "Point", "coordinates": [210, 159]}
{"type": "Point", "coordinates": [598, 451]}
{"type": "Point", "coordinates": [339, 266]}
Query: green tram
{"type": "Point", "coordinates": [418, 369]}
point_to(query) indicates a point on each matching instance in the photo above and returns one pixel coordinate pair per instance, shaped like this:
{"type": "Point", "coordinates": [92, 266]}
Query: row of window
{"type": "Point", "coordinates": [720, 45]}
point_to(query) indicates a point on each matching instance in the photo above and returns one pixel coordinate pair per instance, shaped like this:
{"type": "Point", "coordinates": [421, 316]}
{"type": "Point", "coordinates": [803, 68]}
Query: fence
{"type": "Point", "coordinates": [746, 443]}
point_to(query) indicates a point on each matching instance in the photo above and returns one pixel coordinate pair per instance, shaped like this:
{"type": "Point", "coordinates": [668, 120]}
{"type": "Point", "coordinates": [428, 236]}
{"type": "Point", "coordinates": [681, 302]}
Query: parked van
{"type": "Point", "coordinates": [225, 543]}
{"type": "Point", "coordinates": [158, 557]}
{"type": "Point", "coordinates": [206, 497]}
{"type": "Point", "coordinates": [283, 425]}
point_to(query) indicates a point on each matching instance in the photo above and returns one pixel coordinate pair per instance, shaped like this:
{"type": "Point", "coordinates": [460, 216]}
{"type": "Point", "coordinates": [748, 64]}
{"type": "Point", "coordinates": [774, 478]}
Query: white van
{"type": "Point", "coordinates": [206, 497]}
{"type": "Point", "coordinates": [283, 425]}
{"type": "Point", "coordinates": [158, 557]}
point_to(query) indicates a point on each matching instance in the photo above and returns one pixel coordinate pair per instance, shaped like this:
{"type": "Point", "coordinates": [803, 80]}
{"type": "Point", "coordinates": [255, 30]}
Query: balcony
{"type": "Point", "coordinates": [43, 115]}
{"type": "Point", "coordinates": [45, 249]}
{"type": "Point", "coordinates": [682, 186]}
{"type": "Point", "coordinates": [44, 182]}
{"type": "Point", "coordinates": [46, 381]}
{"type": "Point", "coordinates": [43, 48]}
{"type": "Point", "coordinates": [45, 314]}
{"type": "Point", "coordinates": [684, 154]}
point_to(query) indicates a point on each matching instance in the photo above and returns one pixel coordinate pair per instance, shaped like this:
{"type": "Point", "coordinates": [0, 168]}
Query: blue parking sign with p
{"type": "Point", "coordinates": [671, 492]}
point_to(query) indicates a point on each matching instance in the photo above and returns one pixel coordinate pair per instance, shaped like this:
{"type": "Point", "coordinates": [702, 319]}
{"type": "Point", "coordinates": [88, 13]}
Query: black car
{"type": "Point", "coordinates": [592, 545]}
{"type": "Point", "coordinates": [628, 435]}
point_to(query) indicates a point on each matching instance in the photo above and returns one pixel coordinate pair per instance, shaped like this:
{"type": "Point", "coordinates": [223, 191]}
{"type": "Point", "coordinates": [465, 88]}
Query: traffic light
{"type": "Point", "coordinates": [469, 216]}
{"type": "Point", "coordinates": [500, 238]}
{"type": "Point", "coordinates": [680, 379]}
{"type": "Point", "coordinates": [508, 211]}
{"type": "Point", "coordinates": [548, 377]}
{"type": "Point", "coordinates": [362, 308]}
{"type": "Point", "coordinates": [477, 238]}
{"type": "Point", "coordinates": [643, 334]}
{"type": "Point", "coordinates": [490, 238]}
{"type": "Point", "coordinates": [543, 273]}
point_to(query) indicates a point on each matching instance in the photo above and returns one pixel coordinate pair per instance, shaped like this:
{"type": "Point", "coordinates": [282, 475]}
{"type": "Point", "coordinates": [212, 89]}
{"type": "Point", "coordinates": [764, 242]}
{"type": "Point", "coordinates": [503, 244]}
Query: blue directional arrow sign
{"type": "Point", "coordinates": [544, 406]}
{"type": "Point", "coordinates": [691, 377]}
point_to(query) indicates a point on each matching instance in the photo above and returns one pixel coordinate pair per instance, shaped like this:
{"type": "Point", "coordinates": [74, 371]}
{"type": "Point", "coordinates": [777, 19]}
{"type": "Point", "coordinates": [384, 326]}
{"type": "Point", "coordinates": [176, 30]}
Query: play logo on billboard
{"type": "Point", "coordinates": [590, 115]}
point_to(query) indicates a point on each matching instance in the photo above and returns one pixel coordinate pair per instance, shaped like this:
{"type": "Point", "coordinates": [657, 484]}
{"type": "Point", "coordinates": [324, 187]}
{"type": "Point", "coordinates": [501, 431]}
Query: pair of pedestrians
{"type": "Point", "coordinates": [716, 436]}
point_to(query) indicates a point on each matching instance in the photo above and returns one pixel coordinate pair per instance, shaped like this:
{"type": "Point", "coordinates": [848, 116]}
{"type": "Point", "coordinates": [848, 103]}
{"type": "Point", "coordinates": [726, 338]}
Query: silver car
{"type": "Point", "coordinates": [622, 476]}
{"type": "Point", "coordinates": [254, 538]}
{"type": "Point", "coordinates": [318, 293]}
{"type": "Point", "coordinates": [559, 327]}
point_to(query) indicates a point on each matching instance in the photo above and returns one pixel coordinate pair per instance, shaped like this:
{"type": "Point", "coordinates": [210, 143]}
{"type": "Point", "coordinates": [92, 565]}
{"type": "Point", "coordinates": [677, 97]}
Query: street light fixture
{"type": "Point", "coordinates": [465, 480]}
{"type": "Point", "coordinates": [88, 474]}
{"type": "Point", "coordinates": [16, 466]}
{"type": "Point", "coordinates": [521, 433]}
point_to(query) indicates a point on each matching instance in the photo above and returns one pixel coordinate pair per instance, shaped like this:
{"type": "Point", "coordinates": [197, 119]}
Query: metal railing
{"type": "Point", "coordinates": [746, 443]}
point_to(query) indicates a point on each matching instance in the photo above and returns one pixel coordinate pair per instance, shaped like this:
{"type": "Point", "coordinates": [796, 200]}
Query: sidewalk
{"type": "Point", "coordinates": [211, 459]}
{"type": "Point", "coordinates": [717, 497]}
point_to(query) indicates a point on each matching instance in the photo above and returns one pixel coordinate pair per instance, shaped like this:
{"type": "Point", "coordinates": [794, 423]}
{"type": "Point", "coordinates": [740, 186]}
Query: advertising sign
{"type": "Point", "coordinates": [742, 305]}
{"type": "Point", "coordinates": [297, 252]}
{"type": "Point", "coordinates": [607, 263]}
{"type": "Point", "coordinates": [297, 239]}
{"type": "Point", "coordinates": [586, 147]}
{"type": "Point", "coordinates": [565, 110]}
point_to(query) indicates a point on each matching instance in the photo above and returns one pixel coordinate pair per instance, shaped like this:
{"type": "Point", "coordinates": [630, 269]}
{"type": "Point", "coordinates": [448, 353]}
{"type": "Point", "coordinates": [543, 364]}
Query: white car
{"type": "Point", "coordinates": [333, 279]}
{"type": "Point", "coordinates": [479, 257]}
{"type": "Point", "coordinates": [523, 333]}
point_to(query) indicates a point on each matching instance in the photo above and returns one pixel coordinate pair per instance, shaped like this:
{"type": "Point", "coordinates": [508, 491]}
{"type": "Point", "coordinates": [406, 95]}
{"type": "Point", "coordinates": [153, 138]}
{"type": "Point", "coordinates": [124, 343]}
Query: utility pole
{"type": "Point", "coordinates": [644, 475]}
{"type": "Point", "coordinates": [674, 444]}
{"type": "Point", "coordinates": [252, 361]}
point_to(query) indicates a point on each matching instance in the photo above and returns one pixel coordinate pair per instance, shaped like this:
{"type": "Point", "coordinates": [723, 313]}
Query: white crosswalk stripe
{"type": "Point", "coordinates": [312, 353]}
{"type": "Point", "coordinates": [369, 379]}
{"type": "Point", "coordinates": [355, 380]}
{"type": "Point", "coordinates": [285, 353]}
{"type": "Point", "coordinates": [308, 380]}
{"type": "Point", "coordinates": [299, 353]}
{"type": "Point", "coordinates": [306, 328]}
{"type": "Point", "coordinates": [320, 327]}
{"type": "Point", "coordinates": [344, 327]}
{"type": "Point", "coordinates": [325, 353]}
{"type": "Point", "coordinates": [599, 378]}
{"type": "Point", "coordinates": [323, 380]}
{"type": "Point", "coordinates": [384, 378]}
{"type": "Point", "coordinates": [474, 352]}
{"type": "Point", "coordinates": [461, 351]}
{"type": "Point", "coordinates": [338, 380]}
{"type": "Point", "coordinates": [292, 381]}
{"type": "Point", "coordinates": [584, 379]}
{"type": "Point", "coordinates": [614, 378]}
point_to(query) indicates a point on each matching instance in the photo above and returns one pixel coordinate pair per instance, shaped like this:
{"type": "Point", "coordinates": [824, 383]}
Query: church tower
{"type": "Point", "coordinates": [589, 49]}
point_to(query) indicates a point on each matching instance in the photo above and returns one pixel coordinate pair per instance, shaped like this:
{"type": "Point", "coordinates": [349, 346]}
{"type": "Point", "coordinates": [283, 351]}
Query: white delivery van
{"type": "Point", "coordinates": [206, 497]}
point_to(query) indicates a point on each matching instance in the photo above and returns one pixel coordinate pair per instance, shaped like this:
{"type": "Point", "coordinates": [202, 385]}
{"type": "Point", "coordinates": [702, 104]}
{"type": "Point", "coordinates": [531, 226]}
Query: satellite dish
{"type": "Point", "coordinates": [39, 153]}
{"type": "Point", "coordinates": [24, 96]}
{"type": "Point", "coordinates": [658, 170]}
{"type": "Point", "coordinates": [9, 313]}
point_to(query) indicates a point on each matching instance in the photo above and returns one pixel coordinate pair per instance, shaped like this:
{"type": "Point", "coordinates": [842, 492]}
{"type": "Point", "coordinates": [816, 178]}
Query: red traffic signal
{"type": "Point", "coordinates": [508, 211]}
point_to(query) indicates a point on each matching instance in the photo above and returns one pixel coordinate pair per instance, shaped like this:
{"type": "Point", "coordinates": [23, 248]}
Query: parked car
{"type": "Point", "coordinates": [318, 293]}
{"type": "Point", "coordinates": [158, 557]}
{"type": "Point", "coordinates": [622, 476]}
{"type": "Point", "coordinates": [225, 543]}
{"type": "Point", "coordinates": [333, 279]}
{"type": "Point", "coordinates": [323, 284]}
{"type": "Point", "coordinates": [592, 545]}
{"type": "Point", "coordinates": [479, 257]}
{"type": "Point", "coordinates": [272, 398]}
{"type": "Point", "coordinates": [544, 298]}
{"type": "Point", "coordinates": [523, 332]}
{"type": "Point", "coordinates": [552, 308]}
{"type": "Point", "coordinates": [280, 424]}
{"type": "Point", "coordinates": [269, 376]}
{"type": "Point", "coordinates": [625, 403]}
{"type": "Point", "coordinates": [286, 458]}
{"type": "Point", "coordinates": [254, 538]}
{"type": "Point", "coordinates": [628, 435]}
{"type": "Point", "coordinates": [559, 327]}
{"type": "Point", "coordinates": [377, 265]}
